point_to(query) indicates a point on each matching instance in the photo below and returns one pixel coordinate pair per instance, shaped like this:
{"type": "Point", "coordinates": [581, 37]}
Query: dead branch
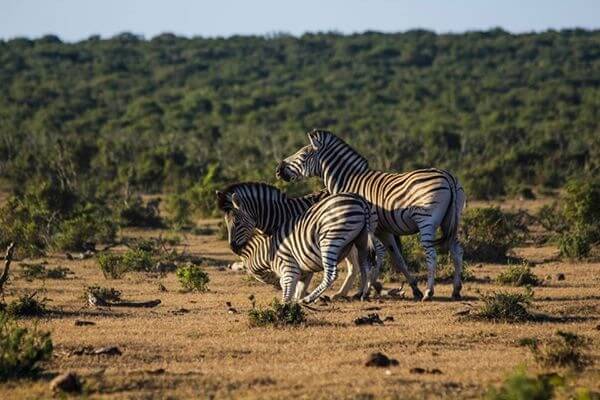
{"type": "Point", "coordinates": [7, 260]}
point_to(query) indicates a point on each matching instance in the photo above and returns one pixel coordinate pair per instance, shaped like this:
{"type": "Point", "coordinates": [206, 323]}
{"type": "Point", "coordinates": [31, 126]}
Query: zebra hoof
{"type": "Point", "coordinates": [428, 295]}
{"type": "Point", "coordinates": [417, 294]}
{"type": "Point", "coordinates": [456, 296]}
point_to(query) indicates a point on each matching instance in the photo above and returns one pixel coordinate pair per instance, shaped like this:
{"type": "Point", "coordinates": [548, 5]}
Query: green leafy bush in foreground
{"type": "Point", "coordinates": [277, 314]}
{"type": "Point", "coordinates": [506, 307]}
{"type": "Point", "coordinates": [192, 277]}
{"type": "Point", "coordinates": [21, 349]}
{"type": "Point", "coordinates": [521, 386]}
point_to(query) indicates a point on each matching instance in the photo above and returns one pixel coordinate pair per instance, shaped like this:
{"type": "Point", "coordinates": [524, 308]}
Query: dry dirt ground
{"type": "Point", "coordinates": [207, 352]}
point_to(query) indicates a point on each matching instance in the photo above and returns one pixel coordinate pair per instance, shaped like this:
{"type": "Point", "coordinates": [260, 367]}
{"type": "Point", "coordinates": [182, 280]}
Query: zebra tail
{"type": "Point", "coordinates": [371, 222]}
{"type": "Point", "coordinates": [451, 219]}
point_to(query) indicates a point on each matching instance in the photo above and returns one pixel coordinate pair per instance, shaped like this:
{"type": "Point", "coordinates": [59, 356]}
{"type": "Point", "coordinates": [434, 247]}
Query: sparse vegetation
{"type": "Point", "coordinates": [138, 260]}
{"type": "Point", "coordinates": [518, 275]}
{"type": "Point", "coordinates": [192, 277]}
{"type": "Point", "coordinates": [565, 350]}
{"type": "Point", "coordinates": [26, 305]}
{"type": "Point", "coordinates": [135, 213]}
{"type": "Point", "coordinates": [488, 234]}
{"type": "Point", "coordinates": [40, 271]}
{"type": "Point", "coordinates": [21, 349]}
{"type": "Point", "coordinates": [506, 307]}
{"type": "Point", "coordinates": [521, 386]}
{"type": "Point", "coordinates": [111, 265]}
{"type": "Point", "coordinates": [276, 314]}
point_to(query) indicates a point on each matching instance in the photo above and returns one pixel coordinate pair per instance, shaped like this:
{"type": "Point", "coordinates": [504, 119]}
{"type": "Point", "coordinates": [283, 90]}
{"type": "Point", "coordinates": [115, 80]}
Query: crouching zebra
{"type": "Point", "coordinates": [416, 201]}
{"type": "Point", "coordinates": [256, 259]}
{"type": "Point", "coordinates": [301, 243]}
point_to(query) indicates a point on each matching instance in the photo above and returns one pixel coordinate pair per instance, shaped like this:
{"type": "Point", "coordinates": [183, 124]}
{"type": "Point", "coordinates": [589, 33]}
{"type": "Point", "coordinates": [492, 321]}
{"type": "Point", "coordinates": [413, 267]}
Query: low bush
{"type": "Point", "coordinates": [26, 306]}
{"type": "Point", "coordinates": [134, 212]}
{"type": "Point", "coordinates": [138, 260]}
{"type": "Point", "coordinates": [87, 226]}
{"type": "Point", "coordinates": [192, 277]}
{"type": "Point", "coordinates": [506, 307]}
{"type": "Point", "coordinates": [565, 350]}
{"type": "Point", "coordinates": [518, 275]}
{"type": "Point", "coordinates": [575, 244]}
{"type": "Point", "coordinates": [40, 271]}
{"type": "Point", "coordinates": [21, 349]}
{"type": "Point", "coordinates": [445, 270]}
{"type": "Point", "coordinates": [277, 314]}
{"type": "Point", "coordinates": [488, 234]}
{"type": "Point", "coordinates": [521, 386]}
{"type": "Point", "coordinates": [111, 265]}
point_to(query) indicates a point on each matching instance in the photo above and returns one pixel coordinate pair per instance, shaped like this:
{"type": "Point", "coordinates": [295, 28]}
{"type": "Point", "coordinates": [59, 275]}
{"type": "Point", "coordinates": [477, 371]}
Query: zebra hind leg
{"type": "Point", "coordinates": [456, 251]}
{"type": "Point", "coordinates": [427, 241]}
{"type": "Point", "coordinates": [351, 261]}
{"type": "Point", "coordinates": [329, 257]}
{"type": "Point", "coordinates": [399, 263]}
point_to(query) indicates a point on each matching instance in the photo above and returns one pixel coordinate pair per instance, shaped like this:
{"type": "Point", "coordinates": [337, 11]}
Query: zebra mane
{"type": "Point", "coordinates": [247, 189]}
{"type": "Point", "coordinates": [329, 139]}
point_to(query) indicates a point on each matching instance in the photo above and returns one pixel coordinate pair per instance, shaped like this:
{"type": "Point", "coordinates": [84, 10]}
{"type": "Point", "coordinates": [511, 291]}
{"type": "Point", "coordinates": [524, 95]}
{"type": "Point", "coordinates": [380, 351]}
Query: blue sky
{"type": "Point", "coordinates": [78, 19]}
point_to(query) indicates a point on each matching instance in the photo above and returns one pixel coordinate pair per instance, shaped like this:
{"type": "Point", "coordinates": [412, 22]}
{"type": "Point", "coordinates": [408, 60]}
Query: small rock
{"type": "Point", "coordinates": [68, 382]}
{"type": "Point", "coordinates": [389, 318]}
{"type": "Point", "coordinates": [230, 308]}
{"type": "Point", "coordinates": [417, 370]}
{"type": "Point", "coordinates": [181, 311]}
{"type": "Point", "coordinates": [161, 288]}
{"type": "Point", "coordinates": [560, 277]}
{"type": "Point", "coordinates": [69, 256]}
{"type": "Point", "coordinates": [80, 322]}
{"type": "Point", "coordinates": [548, 277]}
{"type": "Point", "coordinates": [369, 319]}
{"type": "Point", "coordinates": [380, 360]}
{"type": "Point", "coordinates": [158, 371]}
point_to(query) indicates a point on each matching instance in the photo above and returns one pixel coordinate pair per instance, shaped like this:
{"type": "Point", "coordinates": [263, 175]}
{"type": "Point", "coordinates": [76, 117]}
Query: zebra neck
{"type": "Point", "coordinates": [340, 165]}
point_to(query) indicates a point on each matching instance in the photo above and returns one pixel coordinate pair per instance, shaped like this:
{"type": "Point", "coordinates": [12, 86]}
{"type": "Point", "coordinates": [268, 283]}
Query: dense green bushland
{"type": "Point", "coordinates": [126, 115]}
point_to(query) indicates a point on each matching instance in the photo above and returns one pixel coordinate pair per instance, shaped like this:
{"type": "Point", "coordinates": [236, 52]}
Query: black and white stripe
{"type": "Point", "coordinates": [417, 201]}
{"type": "Point", "coordinates": [301, 243]}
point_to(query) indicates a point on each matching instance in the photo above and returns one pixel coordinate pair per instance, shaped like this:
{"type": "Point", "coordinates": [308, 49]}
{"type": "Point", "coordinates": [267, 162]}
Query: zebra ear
{"type": "Point", "coordinates": [314, 139]}
{"type": "Point", "coordinates": [223, 202]}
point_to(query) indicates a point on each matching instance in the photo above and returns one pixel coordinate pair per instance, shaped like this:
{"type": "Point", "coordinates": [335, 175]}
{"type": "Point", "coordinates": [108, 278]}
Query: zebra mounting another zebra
{"type": "Point", "coordinates": [302, 243]}
{"type": "Point", "coordinates": [406, 203]}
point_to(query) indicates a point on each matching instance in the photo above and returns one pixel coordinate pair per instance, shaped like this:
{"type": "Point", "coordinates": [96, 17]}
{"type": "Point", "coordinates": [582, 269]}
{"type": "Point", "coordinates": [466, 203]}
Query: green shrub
{"type": "Point", "coordinates": [575, 244]}
{"type": "Point", "coordinates": [564, 350]}
{"type": "Point", "coordinates": [138, 260]}
{"type": "Point", "coordinates": [111, 265]}
{"type": "Point", "coordinates": [22, 223]}
{"type": "Point", "coordinates": [180, 210]}
{"type": "Point", "coordinates": [506, 307]}
{"type": "Point", "coordinates": [518, 275]}
{"type": "Point", "coordinates": [26, 306]}
{"type": "Point", "coordinates": [521, 386]}
{"type": "Point", "coordinates": [21, 349]}
{"type": "Point", "coordinates": [277, 314]}
{"type": "Point", "coordinates": [488, 234]}
{"type": "Point", "coordinates": [445, 270]}
{"type": "Point", "coordinates": [88, 226]}
{"type": "Point", "coordinates": [134, 212]}
{"type": "Point", "coordinates": [192, 277]}
{"type": "Point", "coordinates": [40, 271]}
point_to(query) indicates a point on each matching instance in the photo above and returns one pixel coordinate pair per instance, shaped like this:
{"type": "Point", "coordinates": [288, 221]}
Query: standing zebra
{"type": "Point", "coordinates": [301, 243]}
{"type": "Point", "coordinates": [416, 201]}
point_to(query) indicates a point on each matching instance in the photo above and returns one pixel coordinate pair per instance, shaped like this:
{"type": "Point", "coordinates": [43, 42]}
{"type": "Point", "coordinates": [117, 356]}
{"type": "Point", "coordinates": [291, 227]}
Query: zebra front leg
{"type": "Point", "coordinates": [289, 279]}
{"type": "Point", "coordinates": [456, 251]}
{"type": "Point", "coordinates": [399, 264]}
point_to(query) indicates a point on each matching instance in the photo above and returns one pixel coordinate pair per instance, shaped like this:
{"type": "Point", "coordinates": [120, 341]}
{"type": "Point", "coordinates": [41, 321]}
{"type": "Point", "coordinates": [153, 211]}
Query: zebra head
{"type": "Point", "coordinates": [240, 224]}
{"type": "Point", "coordinates": [305, 162]}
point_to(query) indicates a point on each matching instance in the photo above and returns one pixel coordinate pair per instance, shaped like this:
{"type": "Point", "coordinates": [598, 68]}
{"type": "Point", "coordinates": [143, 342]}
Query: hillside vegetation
{"type": "Point", "coordinates": [502, 111]}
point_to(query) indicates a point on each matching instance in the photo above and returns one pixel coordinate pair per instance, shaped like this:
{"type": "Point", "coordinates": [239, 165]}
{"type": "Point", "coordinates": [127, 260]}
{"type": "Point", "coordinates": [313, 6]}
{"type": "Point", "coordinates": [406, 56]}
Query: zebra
{"type": "Point", "coordinates": [301, 243]}
{"type": "Point", "coordinates": [416, 201]}
{"type": "Point", "coordinates": [256, 258]}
